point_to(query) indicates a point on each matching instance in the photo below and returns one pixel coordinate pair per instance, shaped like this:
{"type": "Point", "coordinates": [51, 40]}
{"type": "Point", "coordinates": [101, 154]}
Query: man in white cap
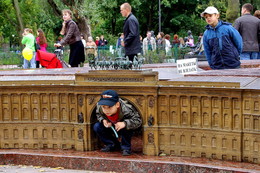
{"type": "Point", "coordinates": [222, 42]}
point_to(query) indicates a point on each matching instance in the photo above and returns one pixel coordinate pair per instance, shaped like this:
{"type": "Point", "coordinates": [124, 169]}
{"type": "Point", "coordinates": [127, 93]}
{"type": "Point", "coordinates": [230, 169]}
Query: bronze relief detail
{"type": "Point", "coordinates": [151, 138]}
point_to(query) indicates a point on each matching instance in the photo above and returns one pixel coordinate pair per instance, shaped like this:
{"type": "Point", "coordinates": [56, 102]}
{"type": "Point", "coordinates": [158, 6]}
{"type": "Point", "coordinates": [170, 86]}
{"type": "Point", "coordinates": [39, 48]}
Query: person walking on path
{"type": "Point", "coordinates": [249, 28]}
{"type": "Point", "coordinates": [119, 47]}
{"type": "Point", "coordinates": [73, 38]}
{"type": "Point", "coordinates": [131, 32]}
{"type": "Point", "coordinates": [91, 48]}
{"type": "Point", "coordinates": [168, 45]}
{"type": "Point", "coordinates": [102, 41]}
{"type": "Point", "coordinates": [222, 42]}
{"type": "Point", "coordinates": [29, 41]}
{"type": "Point", "coordinates": [160, 42]}
{"type": "Point", "coordinates": [149, 43]}
{"type": "Point", "coordinates": [42, 42]}
{"type": "Point", "coordinates": [257, 14]}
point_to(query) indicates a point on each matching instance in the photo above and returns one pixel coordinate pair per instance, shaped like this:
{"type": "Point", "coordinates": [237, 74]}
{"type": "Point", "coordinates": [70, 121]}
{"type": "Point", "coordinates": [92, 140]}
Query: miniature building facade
{"type": "Point", "coordinates": [191, 121]}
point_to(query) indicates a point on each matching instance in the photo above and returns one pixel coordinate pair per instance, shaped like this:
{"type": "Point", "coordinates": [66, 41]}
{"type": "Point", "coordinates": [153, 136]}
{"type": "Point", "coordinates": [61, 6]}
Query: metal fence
{"type": "Point", "coordinates": [12, 57]}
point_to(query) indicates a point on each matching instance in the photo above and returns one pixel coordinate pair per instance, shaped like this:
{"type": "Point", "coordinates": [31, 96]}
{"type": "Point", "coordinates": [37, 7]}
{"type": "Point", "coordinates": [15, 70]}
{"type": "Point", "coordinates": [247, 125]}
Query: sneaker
{"type": "Point", "coordinates": [117, 147]}
{"type": "Point", "coordinates": [126, 153]}
{"type": "Point", "coordinates": [107, 148]}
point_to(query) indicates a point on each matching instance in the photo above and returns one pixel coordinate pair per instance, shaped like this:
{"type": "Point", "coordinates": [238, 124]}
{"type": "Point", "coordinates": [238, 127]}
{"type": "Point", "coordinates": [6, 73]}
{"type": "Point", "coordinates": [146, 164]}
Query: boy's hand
{"type": "Point", "coordinates": [119, 125]}
{"type": "Point", "coordinates": [107, 124]}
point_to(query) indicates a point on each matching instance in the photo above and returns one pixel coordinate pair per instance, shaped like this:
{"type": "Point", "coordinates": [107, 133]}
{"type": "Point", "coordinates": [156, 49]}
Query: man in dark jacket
{"type": "Point", "coordinates": [249, 28]}
{"type": "Point", "coordinates": [131, 32]}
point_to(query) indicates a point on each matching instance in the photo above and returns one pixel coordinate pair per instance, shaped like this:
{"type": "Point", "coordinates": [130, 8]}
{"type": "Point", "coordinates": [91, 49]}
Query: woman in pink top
{"type": "Point", "coordinates": [42, 42]}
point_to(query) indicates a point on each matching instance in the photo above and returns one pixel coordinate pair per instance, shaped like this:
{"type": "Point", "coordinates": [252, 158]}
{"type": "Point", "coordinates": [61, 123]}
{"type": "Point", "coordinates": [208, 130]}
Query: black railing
{"type": "Point", "coordinates": [13, 56]}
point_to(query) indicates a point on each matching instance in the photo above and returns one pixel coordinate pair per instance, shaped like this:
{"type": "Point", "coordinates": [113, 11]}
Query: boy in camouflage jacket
{"type": "Point", "coordinates": [116, 117]}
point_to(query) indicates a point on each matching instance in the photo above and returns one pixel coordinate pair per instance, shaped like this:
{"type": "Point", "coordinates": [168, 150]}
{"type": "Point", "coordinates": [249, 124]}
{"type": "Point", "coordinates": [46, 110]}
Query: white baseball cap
{"type": "Point", "coordinates": [209, 10]}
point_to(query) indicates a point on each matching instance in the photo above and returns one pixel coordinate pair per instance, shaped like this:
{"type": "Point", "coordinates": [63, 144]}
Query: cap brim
{"type": "Point", "coordinates": [202, 14]}
{"type": "Point", "coordinates": [107, 102]}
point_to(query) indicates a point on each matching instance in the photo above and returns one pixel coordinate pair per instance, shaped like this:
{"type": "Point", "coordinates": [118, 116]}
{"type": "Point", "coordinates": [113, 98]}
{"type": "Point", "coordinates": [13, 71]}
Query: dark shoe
{"type": "Point", "coordinates": [126, 153]}
{"type": "Point", "coordinates": [117, 147]}
{"type": "Point", "coordinates": [107, 148]}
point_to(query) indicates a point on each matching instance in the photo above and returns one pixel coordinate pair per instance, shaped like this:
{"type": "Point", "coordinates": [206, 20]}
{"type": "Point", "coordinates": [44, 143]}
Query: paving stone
{"type": "Point", "coordinates": [115, 162]}
{"type": "Point", "coordinates": [39, 169]}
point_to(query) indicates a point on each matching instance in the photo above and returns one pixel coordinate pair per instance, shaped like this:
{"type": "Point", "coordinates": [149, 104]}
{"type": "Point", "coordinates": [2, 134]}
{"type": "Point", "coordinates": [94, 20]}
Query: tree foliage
{"type": "Point", "coordinates": [96, 17]}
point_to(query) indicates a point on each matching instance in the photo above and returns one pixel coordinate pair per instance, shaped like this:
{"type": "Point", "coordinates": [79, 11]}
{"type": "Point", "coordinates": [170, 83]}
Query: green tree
{"type": "Point", "coordinates": [76, 6]}
{"type": "Point", "coordinates": [96, 17]}
{"type": "Point", "coordinates": [109, 19]}
{"type": "Point", "coordinates": [8, 21]}
{"type": "Point", "coordinates": [181, 16]}
{"type": "Point", "coordinates": [18, 15]}
{"type": "Point", "coordinates": [232, 10]}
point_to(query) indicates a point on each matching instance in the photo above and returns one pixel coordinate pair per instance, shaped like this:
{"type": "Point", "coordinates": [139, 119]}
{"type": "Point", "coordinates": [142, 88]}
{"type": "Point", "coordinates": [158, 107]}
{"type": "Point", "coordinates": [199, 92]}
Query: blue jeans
{"type": "Point", "coordinates": [248, 55]}
{"type": "Point", "coordinates": [201, 53]}
{"type": "Point", "coordinates": [32, 62]}
{"type": "Point", "coordinates": [107, 137]}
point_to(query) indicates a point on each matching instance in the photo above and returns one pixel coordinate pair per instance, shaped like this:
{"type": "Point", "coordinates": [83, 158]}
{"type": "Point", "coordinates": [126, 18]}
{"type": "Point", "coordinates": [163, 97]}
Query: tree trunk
{"type": "Point", "coordinates": [113, 22]}
{"type": "Point", "coordinates": [232, 10]}
{"type": "Point", "coordinates": [20, 27]}
{"type": "Point", "coordinates": [19, 18]}
{"type": "Point", "coordinates": [81, 20]}
{"type": "Point", "coordinates": [55, 8]}
{"type": "Point", "coordinates": [84, 27]}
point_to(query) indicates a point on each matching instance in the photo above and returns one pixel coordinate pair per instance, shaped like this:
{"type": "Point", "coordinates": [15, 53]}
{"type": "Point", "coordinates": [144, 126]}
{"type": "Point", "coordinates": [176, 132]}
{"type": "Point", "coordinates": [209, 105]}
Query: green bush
{"type": "Point", "coordinates": [11, 58]}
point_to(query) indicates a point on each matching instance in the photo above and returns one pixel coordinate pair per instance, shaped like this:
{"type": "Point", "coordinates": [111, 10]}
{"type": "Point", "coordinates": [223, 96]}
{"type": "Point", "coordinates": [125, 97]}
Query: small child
{"type": "Point", "coordinates": [116, 117]}
{"type": "Point", "coordinates": [29, 42]}
{"type": "Point", "coordinates": [222, 42]}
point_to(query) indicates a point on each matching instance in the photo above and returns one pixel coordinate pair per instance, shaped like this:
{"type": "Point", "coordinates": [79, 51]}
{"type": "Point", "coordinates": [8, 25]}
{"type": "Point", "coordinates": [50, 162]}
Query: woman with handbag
{"type": "Point", "coordinates": [72, 37]}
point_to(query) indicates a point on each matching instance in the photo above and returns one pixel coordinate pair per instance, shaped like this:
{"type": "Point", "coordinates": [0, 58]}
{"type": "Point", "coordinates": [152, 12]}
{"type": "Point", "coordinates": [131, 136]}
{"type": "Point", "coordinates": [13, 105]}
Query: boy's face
{"type": "Point", "coordinates": [212, 19]}
{"type": "Point", "coordinates": [110, 110]}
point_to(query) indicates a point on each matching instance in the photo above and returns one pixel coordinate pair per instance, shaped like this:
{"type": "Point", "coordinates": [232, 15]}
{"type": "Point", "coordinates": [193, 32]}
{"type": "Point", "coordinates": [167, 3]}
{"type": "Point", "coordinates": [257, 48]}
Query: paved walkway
{"type": "Point", "coordinates": [114, 161]}
{"type": "Point", "coordinates": [39, 169]}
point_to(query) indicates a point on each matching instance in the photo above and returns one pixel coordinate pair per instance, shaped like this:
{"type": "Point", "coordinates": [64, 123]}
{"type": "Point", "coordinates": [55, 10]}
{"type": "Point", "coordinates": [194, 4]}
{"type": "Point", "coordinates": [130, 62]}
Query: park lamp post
{"type": "Point", "coordinates": [160, 28]}
{"type": "Point", "coordinates": [11, 41]}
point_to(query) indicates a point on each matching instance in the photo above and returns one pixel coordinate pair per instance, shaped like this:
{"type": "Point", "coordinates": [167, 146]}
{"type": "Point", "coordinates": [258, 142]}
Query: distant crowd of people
{"type": "Point", "coordinates": [151, 43]}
